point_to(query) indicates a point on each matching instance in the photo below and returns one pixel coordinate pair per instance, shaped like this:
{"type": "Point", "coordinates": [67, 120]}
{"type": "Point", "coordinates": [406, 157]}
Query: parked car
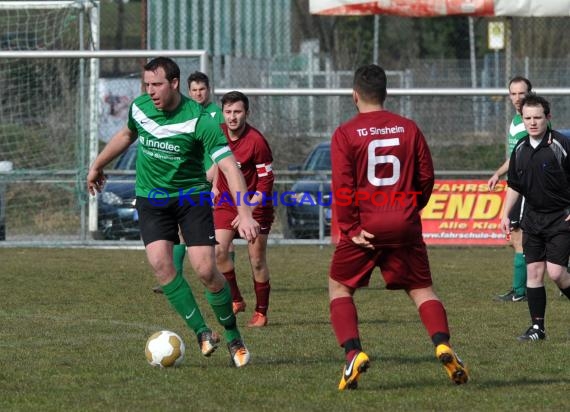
{"type": "Point", "coordinates": [117, 216]}
{"type": "Point", "coordinates": [312, 196]}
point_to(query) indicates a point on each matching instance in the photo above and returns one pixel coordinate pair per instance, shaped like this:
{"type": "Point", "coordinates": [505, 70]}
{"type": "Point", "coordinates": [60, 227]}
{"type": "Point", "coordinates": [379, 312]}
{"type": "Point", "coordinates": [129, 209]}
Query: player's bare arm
{"type": "Point", "coordinates": [248, 228]}
{"type": "Point", "coordinates": [254, 202]}
{"type": "Point", "coordinates": [117, 145]}
{"type": "Point", "coordinates": [492, 182]}
{"type": "Point", "coordinates": [510, 200]}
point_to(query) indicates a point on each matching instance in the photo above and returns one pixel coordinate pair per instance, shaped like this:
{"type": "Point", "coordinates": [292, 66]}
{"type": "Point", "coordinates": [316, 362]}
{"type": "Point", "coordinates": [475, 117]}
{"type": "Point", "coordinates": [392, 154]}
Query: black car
{"type": "Point", "coordinates": [117, 216]}
{"type": "Point", "coordinates": [310, 207]}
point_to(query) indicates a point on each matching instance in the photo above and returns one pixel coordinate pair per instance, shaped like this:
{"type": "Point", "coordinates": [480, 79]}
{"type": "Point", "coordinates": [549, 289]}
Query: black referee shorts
{"type": "Point", "coordinates": [546, 237]}
{"type": "Point", "coordinates": [516, 213]}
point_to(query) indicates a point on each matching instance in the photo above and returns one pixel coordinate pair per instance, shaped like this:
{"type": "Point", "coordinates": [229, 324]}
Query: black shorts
{"type": "Point", "coordinates": [161, 222]}
{"type": "Point", "coordinates": [515, 215]}
{"type": "Point", "coordinates": [546, 237]}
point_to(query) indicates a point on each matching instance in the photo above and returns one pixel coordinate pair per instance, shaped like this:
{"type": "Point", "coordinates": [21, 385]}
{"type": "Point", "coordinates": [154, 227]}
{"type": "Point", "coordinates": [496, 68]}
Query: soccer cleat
{"type": "Point", "coordinates": [257, 321]}
{"type": "Point", "coordinates": [454, 367]}
{"type": "Point", "coordinates": [532, 334]}
{"type": "Point", "coordinates": [352, 371]}
{"type": "Point", "coordinates": [208, 342]}
{"type": "Point", "coordinates": [238, 306]}
{"type": "Point", "coordinates": [518, 298]}
{"type": "Point", "coordinates": [238, 353]}
{"type": "Point", "coordinates": [157, 289]}
{"type": "Point", "coordinates": [506, 297]}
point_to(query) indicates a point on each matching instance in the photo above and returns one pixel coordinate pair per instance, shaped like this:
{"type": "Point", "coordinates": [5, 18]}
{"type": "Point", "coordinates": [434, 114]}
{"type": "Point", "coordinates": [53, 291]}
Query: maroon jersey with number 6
{"type": "Point", "coordinates": [382, 176]}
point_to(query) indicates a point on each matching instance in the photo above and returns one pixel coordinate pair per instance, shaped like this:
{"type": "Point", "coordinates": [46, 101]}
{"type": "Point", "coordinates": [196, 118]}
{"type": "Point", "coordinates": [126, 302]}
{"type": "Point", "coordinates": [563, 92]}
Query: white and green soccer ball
{"type": "Point", "coordinates": [165, 349]}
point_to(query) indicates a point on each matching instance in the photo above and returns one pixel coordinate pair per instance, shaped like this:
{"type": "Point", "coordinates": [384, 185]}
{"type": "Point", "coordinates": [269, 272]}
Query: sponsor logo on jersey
{"type": "Point", "coordinates": [375, 131]}
{"type": "Point", "coordinates": [157, 144]}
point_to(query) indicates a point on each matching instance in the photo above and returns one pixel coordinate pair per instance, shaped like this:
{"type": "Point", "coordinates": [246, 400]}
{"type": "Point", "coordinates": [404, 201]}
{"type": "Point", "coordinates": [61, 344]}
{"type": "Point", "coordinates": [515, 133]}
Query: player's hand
{"type": "Point", "coordinates": [95, 181]}
{"type": "Point", "coordinates": [506, 226]}
{"type": "Point", "coordinates": [492, 182]}
{"type": "Point", "coordinates": [363, 239]}
{"type": "Point", "coordinates": [235, 222]}
{"type": "Point", "coordinates": [248, 228]}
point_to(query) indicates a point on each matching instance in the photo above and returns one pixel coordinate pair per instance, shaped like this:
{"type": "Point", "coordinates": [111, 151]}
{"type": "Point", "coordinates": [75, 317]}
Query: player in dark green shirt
{"type": "Point", "coordinates": [199, 91]}
{"type": "Point", "coordinates": [174, 135]}
{"type": "Point", "coordinates": [519, 87]}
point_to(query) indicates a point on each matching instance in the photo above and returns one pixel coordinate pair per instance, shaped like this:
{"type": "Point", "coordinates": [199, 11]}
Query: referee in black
{"type": "Point", "coordinates": [539, 170]}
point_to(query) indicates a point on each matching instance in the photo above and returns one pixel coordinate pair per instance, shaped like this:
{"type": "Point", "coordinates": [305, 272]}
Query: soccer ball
{"type": "Point", "coordinates": [165, 349]}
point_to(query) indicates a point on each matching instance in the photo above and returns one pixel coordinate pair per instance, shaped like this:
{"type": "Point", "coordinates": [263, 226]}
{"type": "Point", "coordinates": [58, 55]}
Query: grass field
{"type": "Point", "coordinates": [74, 323]}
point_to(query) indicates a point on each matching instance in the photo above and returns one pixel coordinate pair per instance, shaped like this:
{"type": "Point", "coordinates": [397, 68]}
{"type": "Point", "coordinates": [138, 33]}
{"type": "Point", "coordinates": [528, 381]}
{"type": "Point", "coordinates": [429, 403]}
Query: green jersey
{"type": "Point", "coordinates": [516, 132]}
{"type": "Point", "coordinates": [172, 146]}
{"type": "Point", "coordinates": [214, 111]}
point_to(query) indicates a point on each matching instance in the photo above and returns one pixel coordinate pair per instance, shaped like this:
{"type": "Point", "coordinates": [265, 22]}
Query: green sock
{"type": "Point", "coordinates": [221, 303]}
{"type": "Point", "coordinates": [180, 296]}
{"type": "Point", "coordinates": [233, 256]}
{"type": "Point", "coordinates": [519, 274]}
{"type": "Point", "coordinates": [178, 255]}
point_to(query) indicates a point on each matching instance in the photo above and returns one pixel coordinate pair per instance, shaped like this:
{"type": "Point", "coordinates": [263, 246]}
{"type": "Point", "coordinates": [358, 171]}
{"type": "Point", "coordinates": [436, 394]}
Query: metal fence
{"type": "Point", "coordinates": [298, 97]}
{"type": "Point", "coordinates": [45, 202]}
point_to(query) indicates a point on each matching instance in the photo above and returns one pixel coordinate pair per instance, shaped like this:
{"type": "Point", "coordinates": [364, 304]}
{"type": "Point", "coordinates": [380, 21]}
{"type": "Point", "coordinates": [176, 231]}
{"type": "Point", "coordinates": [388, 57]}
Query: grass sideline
{"type": "Point", "coordinates": [75, 321]}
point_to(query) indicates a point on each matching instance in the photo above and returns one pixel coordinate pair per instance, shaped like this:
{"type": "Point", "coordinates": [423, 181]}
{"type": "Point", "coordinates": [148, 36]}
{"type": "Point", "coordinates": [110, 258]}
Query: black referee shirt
{"type": "Point", "coordinates": [542, 174]}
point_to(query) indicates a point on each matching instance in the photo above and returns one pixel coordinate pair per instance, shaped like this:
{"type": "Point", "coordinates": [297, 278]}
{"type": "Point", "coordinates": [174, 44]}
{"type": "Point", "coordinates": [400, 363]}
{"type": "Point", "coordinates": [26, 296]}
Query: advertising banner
{"type": "Point", "coordinates": [430, 8]}
{"type": "Point", "coordinates": [115, 97]}
{"type": "Point", "coordinates": [459, 213]}
{"type": "Point", "coordinates": [464, 212]}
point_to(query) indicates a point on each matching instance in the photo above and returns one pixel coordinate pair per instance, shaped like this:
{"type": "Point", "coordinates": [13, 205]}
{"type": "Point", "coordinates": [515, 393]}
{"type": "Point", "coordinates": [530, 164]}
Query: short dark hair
{"type": "Point", "coordinates": [199, 77]}
{"type": "Point", "coordinates": [370, 83]}
{"type": "Point", "coordinates": [234, 97]}
{"type": "Point", "coordinates": [169, 66]}
{"type": "Point", "coordinates": [521, 79]}
{"type": "Point", "coordinates": [533, 100]}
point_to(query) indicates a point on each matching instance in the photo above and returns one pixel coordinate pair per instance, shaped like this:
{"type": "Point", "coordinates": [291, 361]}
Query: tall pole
{"type": "Point", "coordinates": [473, 71]}
{"type": "Point", "coordinates": [93, 105]}
{"type": "Point", "coordinates": [376, 38]}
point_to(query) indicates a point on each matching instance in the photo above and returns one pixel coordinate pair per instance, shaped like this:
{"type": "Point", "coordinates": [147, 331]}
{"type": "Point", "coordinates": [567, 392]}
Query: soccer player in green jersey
{"type": "Point", "coordinates": [519, 87]}
{"type": "Point", "coordinates": [174, 134]}
{"type": "Point", "coordinates": [199, 91]}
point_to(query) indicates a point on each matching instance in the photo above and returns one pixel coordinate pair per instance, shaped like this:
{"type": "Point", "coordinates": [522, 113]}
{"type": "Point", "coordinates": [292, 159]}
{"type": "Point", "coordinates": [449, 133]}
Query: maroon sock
{"type": "Point", "coordinates": [434, 318]}
{"type": "Point", "coordinates": [344, 319]}
{"type": "Point", "coordinates": [262, 290]}
{"type": "Point", "coordinates": [232, 281]}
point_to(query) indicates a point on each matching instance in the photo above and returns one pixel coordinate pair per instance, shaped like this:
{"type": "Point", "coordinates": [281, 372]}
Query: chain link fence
{"type": "Point", "coordinates": [255, 44]}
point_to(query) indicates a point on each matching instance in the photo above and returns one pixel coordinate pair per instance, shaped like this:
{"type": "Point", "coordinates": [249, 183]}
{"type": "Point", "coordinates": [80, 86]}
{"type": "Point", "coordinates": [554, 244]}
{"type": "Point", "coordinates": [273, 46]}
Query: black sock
{"type": "Point", "coordinates": [352, 344]}
{"type": "Point", "coordinates": [537, 305]}
{"type": "Point", "coordinates": [440, 337]}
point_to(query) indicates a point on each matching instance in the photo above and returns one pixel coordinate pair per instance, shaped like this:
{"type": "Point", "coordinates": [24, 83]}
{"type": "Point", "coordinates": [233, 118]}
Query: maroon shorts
{"type": "Point", "coordinates": [405, 267]}
{"type": "Point", "coordinates": [224, 216]}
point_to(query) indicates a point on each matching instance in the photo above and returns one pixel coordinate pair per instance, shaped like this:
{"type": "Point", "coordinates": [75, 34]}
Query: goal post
{"type": "Point", "coordinates": [51, 131]}
{"type": "Point", "coordinates": [38, 5]}
{"type": "Point", "coordinates": [53, 114]}
{"type": "Point", "coordinates": [40, 134]}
